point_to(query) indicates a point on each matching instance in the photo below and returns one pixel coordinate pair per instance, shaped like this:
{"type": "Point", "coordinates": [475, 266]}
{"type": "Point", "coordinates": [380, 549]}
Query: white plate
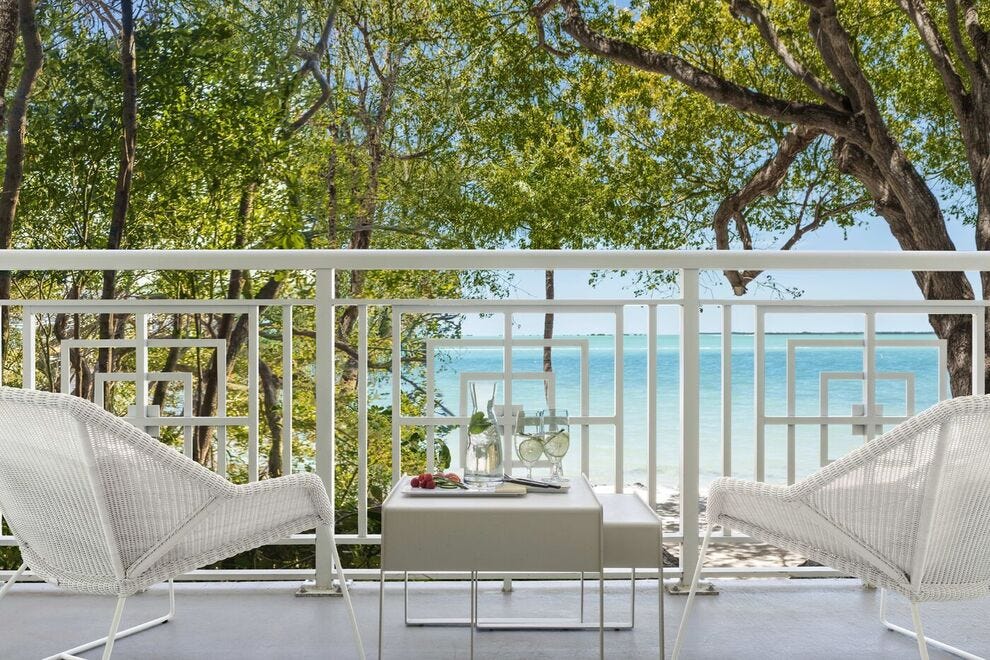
{"type": "Point", "coordinates": [504, 490]}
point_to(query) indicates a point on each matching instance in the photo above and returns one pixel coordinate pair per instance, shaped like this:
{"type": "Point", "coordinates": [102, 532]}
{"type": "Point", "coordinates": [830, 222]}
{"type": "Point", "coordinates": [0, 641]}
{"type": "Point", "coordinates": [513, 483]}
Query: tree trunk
{"type": "Point", "coordinates": [361, 234]}
{"type": "Point", "coordinates": [237, 340]}
{"type": "Point", "coordinates": [8, 43]}
{"type": "Point", "coordinates": [270, 408]}
{"type": "Point", "coordinates": [548, 285]}
{"type": "Point", "coordinates": [333, 202]}
{"type": "Point", "coordinates": [125, 172]}
{"type": "Point", "coordinates": [911, 226]}
{"type": "Point", "coordinates": [13, 174]}
{"type": "Point", "coordinates": [226, 330]}
{"type": "Point", "coordinates": [171, 362]}
{"type": "Point", "coordinates": [978, 153]}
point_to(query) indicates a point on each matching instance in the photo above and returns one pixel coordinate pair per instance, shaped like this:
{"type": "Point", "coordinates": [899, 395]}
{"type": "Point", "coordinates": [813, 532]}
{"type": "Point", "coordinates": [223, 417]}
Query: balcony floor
{"type": "Point", "coordinates": [827, 618]}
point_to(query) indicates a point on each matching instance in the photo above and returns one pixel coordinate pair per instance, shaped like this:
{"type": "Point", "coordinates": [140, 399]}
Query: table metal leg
{"type": "Point", "coordinates": [660, 604]}
{"type": "Point", "coordinates": [601, 613]}
{"type": "Point", "coordinates": [524, 623]}
{"type": "Point", "coordinates": [474, 608]}
{"type": "Point", "coordinates": [381, 613]}
{"type": "Point", "coordinates": [405, 596]}
{"type": "Point", "coordinates": [632, 604]}
{"type": "Point", "coordinates": [430, 621]}
{"type": "Point", "coordinates": [582, 597]}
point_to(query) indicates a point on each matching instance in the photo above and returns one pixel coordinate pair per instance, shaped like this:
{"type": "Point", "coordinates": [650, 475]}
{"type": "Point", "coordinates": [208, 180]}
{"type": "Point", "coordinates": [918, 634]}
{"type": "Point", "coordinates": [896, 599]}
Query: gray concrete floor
{"type": "Point", "coordinates": [757, 619]}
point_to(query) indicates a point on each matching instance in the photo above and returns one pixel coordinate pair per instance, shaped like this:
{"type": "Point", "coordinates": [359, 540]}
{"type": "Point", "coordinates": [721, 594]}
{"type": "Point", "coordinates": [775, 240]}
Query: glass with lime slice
{"type": "Point", "coordinates": [556, 440]}
{"type": "Point", "coordinates": [527, 437]}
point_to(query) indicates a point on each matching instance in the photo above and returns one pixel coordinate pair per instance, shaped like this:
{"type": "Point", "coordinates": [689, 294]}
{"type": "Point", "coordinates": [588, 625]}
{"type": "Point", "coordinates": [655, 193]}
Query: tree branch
{"type": "Point", "coordinates": [977, 34]}
{"type": "Point", "coordinates": [955, 34]}
{"type": "Point", "coordinates": [714, 87]}
{"type": "Point", "coordinates": [370, 50]}
{"type": "Point", "coordinates": [835, 45]}
{"type": "Point", "coordinates": [538, 11]}
{"type": "Point", "coordinates": [767, 180]}
{"type": "Point", "coordinates": [759, 18]}
{"type": "Point", "coordinates": [939, 54]}
{"type": "Point", "coordinates": [105, 13]}
{"type": "Point", "coordinates": [312, 65]}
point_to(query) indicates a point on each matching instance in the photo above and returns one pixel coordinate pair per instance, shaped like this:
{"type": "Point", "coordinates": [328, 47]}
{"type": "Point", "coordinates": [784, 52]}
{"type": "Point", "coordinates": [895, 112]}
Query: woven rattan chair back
{"type": "Point", "coordinates": [87, 494]}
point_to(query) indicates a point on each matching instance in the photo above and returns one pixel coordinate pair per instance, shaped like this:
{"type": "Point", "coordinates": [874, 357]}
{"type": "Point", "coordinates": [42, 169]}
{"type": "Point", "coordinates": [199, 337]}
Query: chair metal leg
{"type": "Point", "coordinates": [114, 635]}
{"type": "Point", "coordinates": [13, 578]}
{"type": "Point", "coordinates": [381, 613]}
{"type": "Point", "coordinates": [691, 594]}
{"type": "Point", "coordinates": [114, 625]}
{"type": "Point", "coordinates": [347, 600]}
{"type": "Point", "coordinates": [918, 633]}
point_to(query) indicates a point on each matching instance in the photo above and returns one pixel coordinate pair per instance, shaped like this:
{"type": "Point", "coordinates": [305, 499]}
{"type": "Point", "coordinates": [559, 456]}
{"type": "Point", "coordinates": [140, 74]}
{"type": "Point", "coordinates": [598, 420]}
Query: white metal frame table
{"type": "Point", "coordinates": [539, 533]}
{"type": "Point", "coordinates": [633, 538]}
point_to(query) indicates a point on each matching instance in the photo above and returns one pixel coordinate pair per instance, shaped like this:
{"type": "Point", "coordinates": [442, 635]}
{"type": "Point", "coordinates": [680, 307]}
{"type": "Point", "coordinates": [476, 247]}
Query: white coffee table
{"type": "Point", "coordinates": [539, 533]}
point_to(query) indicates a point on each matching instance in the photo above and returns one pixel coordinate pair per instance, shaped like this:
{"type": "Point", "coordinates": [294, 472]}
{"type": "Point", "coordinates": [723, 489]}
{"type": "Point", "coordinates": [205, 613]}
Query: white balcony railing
{"type": "Point", "coordinates": [279, 323]}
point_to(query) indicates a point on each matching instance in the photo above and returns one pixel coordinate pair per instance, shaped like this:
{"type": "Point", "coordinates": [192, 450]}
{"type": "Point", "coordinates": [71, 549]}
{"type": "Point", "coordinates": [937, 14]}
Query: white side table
{"type": "Point", "coordinates": [633, 535]}
{"type": "Point", "coordinates": [535, 533]}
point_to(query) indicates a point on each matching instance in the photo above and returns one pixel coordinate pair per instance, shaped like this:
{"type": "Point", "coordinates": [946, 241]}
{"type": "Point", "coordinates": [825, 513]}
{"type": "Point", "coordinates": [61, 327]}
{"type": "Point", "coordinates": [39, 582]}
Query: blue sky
{"type": "Point", "coordinates": [873, 235]}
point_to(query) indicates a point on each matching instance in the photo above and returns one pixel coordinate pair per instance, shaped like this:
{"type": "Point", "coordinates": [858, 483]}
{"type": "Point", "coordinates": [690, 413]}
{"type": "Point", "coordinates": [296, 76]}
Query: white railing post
{"type": "Point", "coordinates": [287, 394]}
{"type": "Point", "coordinates": [27, 349]}
{"type": "Point", "coordinates": [140, 370]}
{"type": "Point", "coordinates": [979, 352]}
{"type": "Point", "coordinates": [254, 338]}
{"type": "Point", "coordinates": [651, 403]}
{"type": "Point", "coordinates": [726, 383]}
{"type": "Point", "coordinates": [362, 385]}
{"type": "Point", "coordinates": [690, 421]}
{"type": "Point", "coordinates": [620, 408]}
{"type": "Point", "coordinates": [870, 377]}
{"type": "Point", "coordinates": [759, 395]}
{"type": "Point", "coordinates": [726, 386]}
{"type": "Point", "coordinates": [396, 385]}
{"type": "Point", "coordinates": [325, 386]}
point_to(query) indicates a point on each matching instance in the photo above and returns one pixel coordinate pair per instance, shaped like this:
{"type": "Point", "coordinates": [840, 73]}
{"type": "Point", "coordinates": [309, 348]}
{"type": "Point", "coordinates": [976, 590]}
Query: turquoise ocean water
{"type": "Point", "coordinates": [922, 362]}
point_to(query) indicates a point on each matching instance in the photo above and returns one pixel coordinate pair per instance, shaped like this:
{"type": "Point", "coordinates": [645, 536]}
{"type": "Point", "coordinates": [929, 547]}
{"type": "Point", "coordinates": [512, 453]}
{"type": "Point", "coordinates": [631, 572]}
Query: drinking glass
{"type": "Point", "coordinates": [556, 440]}
{"type": "Point", "coordinates": [527, 437]}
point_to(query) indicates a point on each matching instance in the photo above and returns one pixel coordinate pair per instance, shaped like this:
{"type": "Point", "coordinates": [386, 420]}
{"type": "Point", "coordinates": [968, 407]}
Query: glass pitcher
{"type": "Point", "coordinates": [483, 465]}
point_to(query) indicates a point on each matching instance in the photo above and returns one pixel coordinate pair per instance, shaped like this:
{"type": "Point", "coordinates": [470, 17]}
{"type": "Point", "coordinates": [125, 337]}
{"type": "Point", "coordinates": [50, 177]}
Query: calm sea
{"type": "Point", "coordinates": [921, 361]}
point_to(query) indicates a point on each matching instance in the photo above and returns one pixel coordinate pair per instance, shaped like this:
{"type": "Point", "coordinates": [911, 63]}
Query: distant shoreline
{"type": "Point", "coordinates": [709, 334]}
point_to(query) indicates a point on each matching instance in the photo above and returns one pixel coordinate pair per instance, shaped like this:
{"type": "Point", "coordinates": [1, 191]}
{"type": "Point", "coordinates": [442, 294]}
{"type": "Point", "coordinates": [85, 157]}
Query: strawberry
{"type": "Point", "coordinates": [429, 485]}
{"type": "Point", "coordinates": [415, 482]}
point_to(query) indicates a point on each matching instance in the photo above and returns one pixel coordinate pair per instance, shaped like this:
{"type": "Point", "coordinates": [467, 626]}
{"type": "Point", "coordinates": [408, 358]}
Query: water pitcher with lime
{"type": "Point", "coordinates": [483, 465]}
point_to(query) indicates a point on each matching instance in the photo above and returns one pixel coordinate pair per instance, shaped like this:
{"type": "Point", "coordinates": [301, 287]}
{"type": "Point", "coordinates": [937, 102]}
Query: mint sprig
{"type": "Point", "coordinates": [479, 423]}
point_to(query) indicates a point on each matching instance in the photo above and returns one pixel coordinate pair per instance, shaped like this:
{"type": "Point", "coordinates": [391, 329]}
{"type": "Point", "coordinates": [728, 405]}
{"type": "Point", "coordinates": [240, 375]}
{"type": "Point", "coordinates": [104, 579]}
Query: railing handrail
{"type": "Point", "coordinates": [66, 260]}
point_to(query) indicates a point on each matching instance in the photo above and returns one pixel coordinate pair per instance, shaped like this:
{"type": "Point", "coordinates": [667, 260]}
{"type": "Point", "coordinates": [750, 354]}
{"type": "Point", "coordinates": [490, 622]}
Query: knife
{"type": "Point", "coordinates": [529, 482]}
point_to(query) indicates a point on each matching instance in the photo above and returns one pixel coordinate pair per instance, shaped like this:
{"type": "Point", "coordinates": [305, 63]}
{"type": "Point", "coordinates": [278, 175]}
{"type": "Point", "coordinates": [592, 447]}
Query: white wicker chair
{"type": "Point", "coordinates": [908, 512]}
{"type": "Point", "coordinates": [99, 507]}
